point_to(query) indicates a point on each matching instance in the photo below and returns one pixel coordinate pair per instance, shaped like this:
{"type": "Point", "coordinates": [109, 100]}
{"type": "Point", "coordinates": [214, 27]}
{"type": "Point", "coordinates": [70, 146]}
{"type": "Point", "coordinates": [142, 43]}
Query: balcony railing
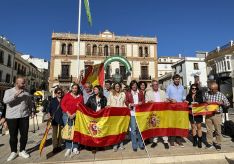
{"type": "Point", "coordinates": [64, 78]}
{"type": "Point", "coordinates": [145, 77]}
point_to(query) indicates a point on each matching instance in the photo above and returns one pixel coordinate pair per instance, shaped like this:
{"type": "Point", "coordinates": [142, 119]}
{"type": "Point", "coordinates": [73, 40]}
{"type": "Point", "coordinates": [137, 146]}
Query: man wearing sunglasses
{"type": "Point", "coordinates": [214, 120]}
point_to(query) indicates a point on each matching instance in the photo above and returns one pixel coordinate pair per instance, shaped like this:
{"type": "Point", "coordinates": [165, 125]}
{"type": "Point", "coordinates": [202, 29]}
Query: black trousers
{"type": "Point", "coordinates": [15, 125]}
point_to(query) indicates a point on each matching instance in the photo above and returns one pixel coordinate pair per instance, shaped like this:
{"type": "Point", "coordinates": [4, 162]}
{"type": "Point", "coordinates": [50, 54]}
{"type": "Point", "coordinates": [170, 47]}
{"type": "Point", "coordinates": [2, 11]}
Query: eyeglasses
{"type": "Point", "coordinates": [59, 92]}
{"type": "Point", "coordinates": [194, 88]}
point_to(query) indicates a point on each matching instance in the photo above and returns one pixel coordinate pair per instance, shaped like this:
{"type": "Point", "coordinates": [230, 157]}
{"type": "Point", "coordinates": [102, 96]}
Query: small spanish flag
{"type": "Point", "coordinates": [43, 141]}
{"type": "Point", "coordinates": [162, 119]}
{"type": "Point", "coordinates": [103, 128]}
{"type": "Point", "coordinates": [95, 75]}
{"type": "Point", "coordinates": [204, 109]}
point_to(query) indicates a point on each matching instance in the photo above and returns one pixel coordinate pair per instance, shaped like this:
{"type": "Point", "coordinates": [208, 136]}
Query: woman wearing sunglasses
{"type": "Point", "coordinates": [195, 97]}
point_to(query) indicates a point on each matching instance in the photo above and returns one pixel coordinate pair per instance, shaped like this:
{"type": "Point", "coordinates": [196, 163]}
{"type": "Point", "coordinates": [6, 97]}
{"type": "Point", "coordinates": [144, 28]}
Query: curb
{"type": "Point", "coordinates": [161, 160]}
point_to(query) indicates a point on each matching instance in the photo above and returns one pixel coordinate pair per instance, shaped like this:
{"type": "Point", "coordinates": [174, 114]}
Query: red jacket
{"type": "Point", "coordinates": [129, 98]}
{"type": "Point", "coordinates": [69, 103]}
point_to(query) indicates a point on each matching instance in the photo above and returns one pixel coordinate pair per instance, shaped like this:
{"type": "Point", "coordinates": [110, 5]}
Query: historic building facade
{"type": "Point", "coordinates": [7, 55]}
{"type": "Point", "coordinates": [138, 54]}
{"type": "Point", "coordinates": [220, 65]}
{"type": "Point", "coordinates": [165, 63]}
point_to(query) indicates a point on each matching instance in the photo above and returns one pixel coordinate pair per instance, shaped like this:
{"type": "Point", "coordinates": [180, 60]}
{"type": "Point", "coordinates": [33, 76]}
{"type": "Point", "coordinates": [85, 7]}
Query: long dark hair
{"type": "Point", "coordinates": [113, 87]}
{"type": "Point", "coordinates": [132, 83]}
{"type": "Point", "coordinates": [100, 93]}
{"type": "Point", "coordinates": [79, 92]}
{"type": "Point", "coordinates": [191, 88]}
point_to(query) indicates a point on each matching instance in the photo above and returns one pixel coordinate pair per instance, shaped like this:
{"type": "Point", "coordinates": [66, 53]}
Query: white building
{"type": "Point", "coordinates": [220, 65]}
{"type": "Point", "coordinates": [7, 55]}
{"type": "Point", "coordinates": [165, 63]}
{"type": "Point", "coordinates": [190, 68]}
{"type": "Point", "coordinates": [43, 66]}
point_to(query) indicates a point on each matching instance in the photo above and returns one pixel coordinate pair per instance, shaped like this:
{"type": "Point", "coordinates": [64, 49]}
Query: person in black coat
{"type": "Point", "coordinates": [195, 97]}
{"type": "Point", "coordinates": [56, 114]}
{"type": "Point", "coordinates": [97, 101]}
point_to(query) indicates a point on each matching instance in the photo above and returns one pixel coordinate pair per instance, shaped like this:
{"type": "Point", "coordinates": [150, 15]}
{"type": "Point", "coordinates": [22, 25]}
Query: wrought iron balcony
{"type": "Point", "coordinates": [144, 77]}
{"type": "Point", "coordinates": [65, 78]}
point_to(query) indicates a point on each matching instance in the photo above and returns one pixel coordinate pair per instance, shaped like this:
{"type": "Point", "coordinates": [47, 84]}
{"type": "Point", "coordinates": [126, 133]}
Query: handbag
{"type": "Point", "coordinates": [67, 132]}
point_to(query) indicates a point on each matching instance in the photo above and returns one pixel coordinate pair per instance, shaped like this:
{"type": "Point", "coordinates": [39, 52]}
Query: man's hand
{"type": "Point", "coordinates": [139, 103]}
{"type": "Point", "coordinates": [32, 115]}
{"type": "Point", "coordinates": [19, 92]}
{"type": "Point", "coordinates": [219, 102]}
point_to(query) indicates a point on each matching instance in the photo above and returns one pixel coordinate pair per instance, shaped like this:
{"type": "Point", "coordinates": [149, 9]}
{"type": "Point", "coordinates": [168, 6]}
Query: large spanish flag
{"type": "Point", "coordinates": [163, 119]}
{"type": "Point", "coordinates": [204, 109]}
{"type": "Point", "coordinates": [103, 128]}
{"type": "Point", "coordinates": [95, 75]}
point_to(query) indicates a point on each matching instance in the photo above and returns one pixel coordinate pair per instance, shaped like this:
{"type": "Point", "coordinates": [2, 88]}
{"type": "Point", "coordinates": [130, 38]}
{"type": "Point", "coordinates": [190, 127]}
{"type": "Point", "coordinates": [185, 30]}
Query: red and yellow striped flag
{"type": "Point", "coordinates": [43, 141]}
{"type": "Point", "coordinates": [162, 119]}
{"type": "Point", "coordinates": [204, 109]}
{"type": "Point", "coordinates": [94, 75]}
{"type": "Point", "coordinates": [103, 128]}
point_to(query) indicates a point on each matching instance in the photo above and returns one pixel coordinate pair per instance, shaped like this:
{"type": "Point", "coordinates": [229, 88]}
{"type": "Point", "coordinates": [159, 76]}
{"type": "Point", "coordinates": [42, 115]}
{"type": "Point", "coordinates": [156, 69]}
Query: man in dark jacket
{"type": "Point", "coordinates": [56, 114]}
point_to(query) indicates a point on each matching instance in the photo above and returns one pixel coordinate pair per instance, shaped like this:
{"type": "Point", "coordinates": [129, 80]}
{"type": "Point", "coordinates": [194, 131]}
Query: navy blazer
{"type": "Point", "coordinates": [56, 112]}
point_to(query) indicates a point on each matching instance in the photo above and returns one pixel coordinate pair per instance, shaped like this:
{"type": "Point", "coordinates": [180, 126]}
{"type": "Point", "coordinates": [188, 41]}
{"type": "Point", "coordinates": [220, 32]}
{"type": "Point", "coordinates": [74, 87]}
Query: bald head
{"type": "Point", "coordinates": [20, 82]}
{"type": "Point", "coordinates": [214, 87]}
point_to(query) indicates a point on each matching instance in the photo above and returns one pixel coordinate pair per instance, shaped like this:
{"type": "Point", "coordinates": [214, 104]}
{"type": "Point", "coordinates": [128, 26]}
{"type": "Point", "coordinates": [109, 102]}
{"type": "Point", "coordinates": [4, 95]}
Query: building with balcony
{"type": "Point", "coordinates": [220, 65]}
{"type": "Point", "coordinates": [190, 69]}
{"type": "Point", "coordinates": [135, 57]}
{"type": "Point", "coordinates": [42, 66]}
{"type": "Point", "coordinates": [7, 55]}
{"type": "Point", "coordinates": [165, 62]}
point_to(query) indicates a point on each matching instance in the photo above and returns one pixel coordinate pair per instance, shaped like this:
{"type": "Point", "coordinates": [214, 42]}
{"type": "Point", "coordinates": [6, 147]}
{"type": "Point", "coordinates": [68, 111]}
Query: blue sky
{"type": "Point", "coordinates": [181, 26]}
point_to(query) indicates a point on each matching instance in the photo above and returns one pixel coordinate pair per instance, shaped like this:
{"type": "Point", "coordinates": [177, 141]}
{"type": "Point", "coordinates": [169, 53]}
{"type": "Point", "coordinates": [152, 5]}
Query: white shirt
{"type": "Point", "coordinates": [98, 104]}
{"type": "Point", "coordinates": [135, 101]}
{"type": "Point", "coordinates": [157, 97]}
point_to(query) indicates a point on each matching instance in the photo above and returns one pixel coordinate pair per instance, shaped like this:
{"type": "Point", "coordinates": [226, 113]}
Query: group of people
{"type": "Point", "coordinates": [62, 109]}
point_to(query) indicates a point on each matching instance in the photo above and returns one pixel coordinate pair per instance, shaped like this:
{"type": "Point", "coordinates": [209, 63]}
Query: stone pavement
{"type": "Point", "coordinates": [188, 154]}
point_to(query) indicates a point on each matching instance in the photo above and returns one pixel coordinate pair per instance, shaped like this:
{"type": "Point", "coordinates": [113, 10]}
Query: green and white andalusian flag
{"type": "Point", "coordinates": [88, 13]}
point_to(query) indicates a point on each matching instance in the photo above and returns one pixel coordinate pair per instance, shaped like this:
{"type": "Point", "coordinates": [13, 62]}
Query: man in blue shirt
{"type": "Point", "coordinates": [175, 93]}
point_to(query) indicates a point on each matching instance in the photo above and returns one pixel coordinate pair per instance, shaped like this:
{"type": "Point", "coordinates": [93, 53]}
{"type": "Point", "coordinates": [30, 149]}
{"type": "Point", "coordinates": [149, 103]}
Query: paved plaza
{"type": "Point", "coordinates": [188, 154]}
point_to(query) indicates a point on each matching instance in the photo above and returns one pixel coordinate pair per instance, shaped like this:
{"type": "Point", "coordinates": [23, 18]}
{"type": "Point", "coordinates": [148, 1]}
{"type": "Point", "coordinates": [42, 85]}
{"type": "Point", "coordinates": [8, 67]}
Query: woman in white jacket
{"type": "Point", "coordinates": [117, 99]}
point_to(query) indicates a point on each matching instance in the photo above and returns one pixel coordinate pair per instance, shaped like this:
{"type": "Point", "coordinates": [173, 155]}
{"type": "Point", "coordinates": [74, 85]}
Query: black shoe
{"type": "Point", "coordinates": [218, 147]}
{"type": "Point", "coordinates": [209, 146]}
{"type": "Point", "coordinates": [199, 143]}
{"type": "Point", "coordinates": [195, 141]}
{"type": "Point", "coordinates": [172, 144]}
{"type": "Point", "coordinates": [166, 145]}
{"type": "Point", "coordinates": [142, 148]}
{"type": "Point", "coordinates": [135, 150]}
{"type": "Point", "coordinates": [153, 145]}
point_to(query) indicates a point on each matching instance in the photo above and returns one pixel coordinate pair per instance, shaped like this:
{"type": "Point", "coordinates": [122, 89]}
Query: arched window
{"type": "Point", "coordinates": [88, 49]}
{"type": "Point", "coordinates": [63, 49]}
{"type": "Point", "coordinates": [123, 50]}
{"type": "Point", "coordinates": [100, 50]}
{"type": "Point", "coordinates": [111, 50]}
{"type": "Point", "coordinates": [69, 49]}
{"type": "Point", "coordinates": [117, 50]}
{"type": "Point", "coordinates": [106, 52]}
{"type": "Point", "coordinates": [146, 52]}
{"type": "Point", "coordinates": [94, 50]}
{"type": "Point", "coordinates": [140, 52]}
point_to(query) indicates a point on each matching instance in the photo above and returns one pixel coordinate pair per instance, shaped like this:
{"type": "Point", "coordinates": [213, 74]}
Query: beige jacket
{"type": "Point", "coordinates": [149, 96]}
{"type": "Point", "coordinates": [115, 101]}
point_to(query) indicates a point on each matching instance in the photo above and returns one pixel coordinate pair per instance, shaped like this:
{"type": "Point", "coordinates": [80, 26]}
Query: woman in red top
{"type": "Point", "coordinates": [69, 105]}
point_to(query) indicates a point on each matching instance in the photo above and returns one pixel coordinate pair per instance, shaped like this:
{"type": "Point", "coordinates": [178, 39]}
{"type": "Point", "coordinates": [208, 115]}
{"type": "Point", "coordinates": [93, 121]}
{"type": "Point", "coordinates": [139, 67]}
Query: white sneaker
{"type": "Point", "coordinates": [12, 156]}
{"type": "Point", "coordinates": [76, 151]}
{"type": "Point", "coordinates": [24, 154]}
{"type": "Point", "coordinates": [68, 152]}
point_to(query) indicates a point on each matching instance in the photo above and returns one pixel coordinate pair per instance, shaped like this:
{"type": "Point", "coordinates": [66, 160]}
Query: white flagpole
{"type": "Point", "coordinates": [78, 55]}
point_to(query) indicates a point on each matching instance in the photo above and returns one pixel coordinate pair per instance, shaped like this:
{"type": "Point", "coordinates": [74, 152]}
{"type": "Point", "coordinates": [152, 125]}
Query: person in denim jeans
{"type": "Point", "coordinates": [69, 105]}
{"type": "Point", "coordinates": [134, 97]}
